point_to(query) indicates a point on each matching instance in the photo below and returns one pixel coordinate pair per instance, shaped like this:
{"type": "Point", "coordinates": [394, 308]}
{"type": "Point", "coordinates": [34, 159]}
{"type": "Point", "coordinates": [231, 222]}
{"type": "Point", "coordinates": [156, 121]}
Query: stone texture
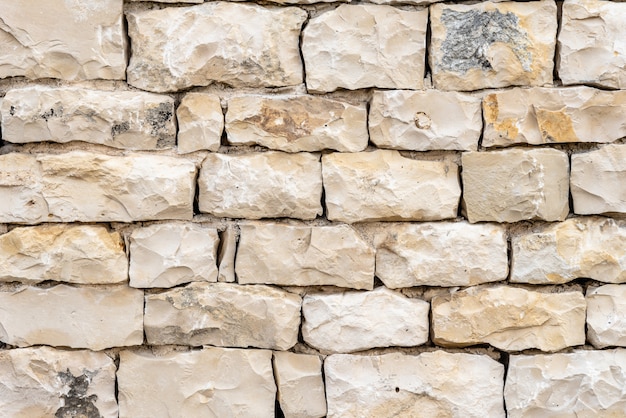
{"type": "Point", "coordinates": [515, 185]}
{"type": "Point", "coordinates": [44, 382]}
{"type": "Point", "coordinates": [509, 318]}
{"type": "Point", "coordinates": [67, 39]}
{"type": "Point", "coordinates": [606, 315]}
{"type": "Point", "coordinates": [384, 185]}
{"type": "Point", "coordinates": [597, 180]}
{"type": "Point", "coordinates": [261, 185]}
{"type": "Point", "coordinates": [440, 254]}
{"type": "Point", "coordinates": [21, 189]}
{"type": "Point", "coordinates": [593, 248]}
{"type": "Point", "coordinates": [355, 321]}
{"type": "Point", "coordinates": [200, 122]}
{"type": "Point", "coordinates": [296, 123]}
{"type": "Point", "coordinates": [226, 256]}
{"type": "Point", "coordinates": [166, 255]}
{"type": "Point", "coordinates": [553, 115]}
{"type": "Point", "coordinates": [292, 255]}
{"type": "Point", "coordinates": [223, 314]}
{"type": "Point", "coordinates": [425, 120]}
{"type": "Point", "coordinates": [360, 46]}
{"type": "Point", "coordinates": [77, 317]}
{"type": "Point", "coordinates": [213, 382]}
{"type": "Point", "coordinates": [119, 119]}
{"type": "Point", "coordinates": [581, 383]}
{"type": "Point", "coordinates": [179, 47]}
{"type": "Point", "coordinates": [75, 254]}
{"type": "Point", "coordinates": [300, 385]}
{"type": "Point", "coordinates": [435, 384]}
{"type": "Point", "coordinates": [490, 45]}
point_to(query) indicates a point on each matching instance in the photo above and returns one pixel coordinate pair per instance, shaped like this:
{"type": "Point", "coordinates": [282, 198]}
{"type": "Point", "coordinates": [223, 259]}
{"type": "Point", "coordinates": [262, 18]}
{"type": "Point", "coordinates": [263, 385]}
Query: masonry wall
{"type": "Point", "coordinates": [234, 209]}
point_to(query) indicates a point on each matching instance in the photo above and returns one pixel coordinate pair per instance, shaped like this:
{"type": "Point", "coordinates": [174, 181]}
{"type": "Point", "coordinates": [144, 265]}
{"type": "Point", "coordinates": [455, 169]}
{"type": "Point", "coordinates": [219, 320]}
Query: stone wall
{"type": "Point", "coordinates": [232, 209]}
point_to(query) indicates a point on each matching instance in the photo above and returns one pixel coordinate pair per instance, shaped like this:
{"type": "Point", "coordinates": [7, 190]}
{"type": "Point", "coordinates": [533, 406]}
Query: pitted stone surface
{"type": "Point", "coordinates": [200, 122]}
{"type": "Point", "coordinates": [606, 315]}
{"type": "Point", "coordinates": [300, 385]}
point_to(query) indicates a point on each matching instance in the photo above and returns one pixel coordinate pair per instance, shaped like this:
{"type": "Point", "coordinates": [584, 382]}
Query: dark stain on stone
{"type": "Point", "coordinates": [12, 111]}
{"type": "Point", "coordinates": [53, 112]}
{"type": "Point", "coordinates": [159, 117]}
{"type": "Point", "coordinates": [119, 128]}
{"type": "Point", "coordinates": [77, 403]}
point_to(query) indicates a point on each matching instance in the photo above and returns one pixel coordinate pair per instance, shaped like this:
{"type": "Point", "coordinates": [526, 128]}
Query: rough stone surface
{"type": "Point", "coordinates": [223, 314]}
{"type": "Point", "coordinates": [606, 315]}
{"type": "Point", "coordinates": [553, 115]}
{"type": "Point", "coordinates": [360, 46]}
{"type": "Point", "coordinates": [581, 384]}
{"type": "Point", "coordinates": [384, 185]}
{"type": "Point", "coordinates": [425, 120]}
{"type": "Point", "coordinates": [354, 321]}
{"type": "Point", "coordinates": [179, 47]}
{"type": "Point", "coordinates": [20, 189]}
{"type": "Point", "coordinates": [489, 45]}
{"type": "Point", "coordinates": [515, 185]}
{"type": "Point", "coordinates": [300, 385]}
{"type": "Point", "coordinates": [597, 180]}
{"type": "Point", "coordinates": [593, 248]}
{"type": "Point", "coordinates": [439, 254]}
{"type": "Point", "coordinates": [77, 317]}
{"type": "Point", "coordinates": [226, 256]}
{"type": "Point", "coordinates": [213, 382]}
{"type": "Point", "coordinates": [304, 256]}
{"type": "Point", "coordinates": [296, 123]}
{"type": "Point", "coordinates": [119, 119]}
{"type": "Point", "coordinates": [75, 254]}
{"type": "Point", "coordinates": [261, 185]}
{"type": "Point", "coordinates": [44, 382]}
{"type": "Point", "coordinates": [166, 255]}
{"type": "Point", "coordinates": [510, 319]}
{"type": "Point", "coordinates": [67, 39]}
{"type": "Point", "coordinates": [200, 122]}
{"type": "Point", "coordinates": [435, 384]}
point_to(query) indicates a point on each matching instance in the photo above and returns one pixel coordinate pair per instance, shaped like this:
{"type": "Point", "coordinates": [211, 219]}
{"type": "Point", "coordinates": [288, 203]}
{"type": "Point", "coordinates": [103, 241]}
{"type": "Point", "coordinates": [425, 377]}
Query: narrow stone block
{"type": "Point", "coordinates": [300, 385]}
{"type": "Point", "coordinates": [200, 122]}
{"type": "Point", "coordinates": [606, 315]}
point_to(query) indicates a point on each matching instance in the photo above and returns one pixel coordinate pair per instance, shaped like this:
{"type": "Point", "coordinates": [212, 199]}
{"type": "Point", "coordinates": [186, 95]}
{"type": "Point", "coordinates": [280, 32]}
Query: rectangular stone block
{"type": "Point", "coordinates": [200, 122]}
{"type": "Point", "coordinates": [243, 45]}
{"type": "Point", "coordinates": [300, 385]}
{"type": "Point", "coordinates": [226, 256]}
{"type": "Point", "coordinates": [606, 315]}
{"type": "Point", "coordinates": [21, 189]}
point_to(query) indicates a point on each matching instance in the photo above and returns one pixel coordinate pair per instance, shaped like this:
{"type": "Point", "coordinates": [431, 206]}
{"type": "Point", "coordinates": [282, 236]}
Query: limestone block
{"type": "Point", "coordinates": [223, 314]}
{"type": "Point", "coordinates": [553, 115]}
{"type": "Point", "coordinates": [226, 256]}
{"type": "Point", "coordinates": [261, 185]}
{"type": "Point", "coordinates": [66, 39]}
{"type": "Point", "coordinates": [425, 120]}
{"type": "Point", "coordinates": [75, 254]}
{"type": "Point", "coordinates": [200, 122]}
{"type": "Point", "coordinates": [213, 382]}
{"type": "Point", "coordinates": [179, 47]}
{"type": "Point", "coordinates": [515, 185]}
{"type": "Point", "coordinates": [440, 254]}
{"type": "Point", "coordinates": [119, 119]}
{"type": "Point", "coordinates": [509, 318]}
{"type": "Point", "coordinates": [360, 46]}
{"type": "Point", "coordinates": [292, 255]}
{"type": "Point", "coordinates": [44, 382]}
{"type": "Point", "coordinates": [355, 321]}
{"type": "Point", "coordinates": [21, 189]}
{"type": "Point", "coordinates": [77, 317]}
{"type": "Point", "coordinates": [593, 248]}
{"type": "Point", "coordinates": [296, 123]}
{"type": "Point", "coordinates": [591, 43]}
{"type": "Point", "coordinates": [166, 255]}
{"type": "Point", "coordinates": [384, 185]}
{"type": "Point", "coordinates": [490, 45]}
{"type": "Point", "coordinates": [300, 385]}
{"type": "Point", "coordinates": [581, 383]}
{"type": "Point", "coordinates": [597, 180]}
{"type": "Point", "coordinates": [435, 384]}
{"type": "Point", "coordinates": [606, 315]}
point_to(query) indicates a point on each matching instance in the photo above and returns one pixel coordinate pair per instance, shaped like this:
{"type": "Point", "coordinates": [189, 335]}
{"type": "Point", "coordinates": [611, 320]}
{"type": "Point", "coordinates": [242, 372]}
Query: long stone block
{"type": "Point", "coordinates": [606, 315]}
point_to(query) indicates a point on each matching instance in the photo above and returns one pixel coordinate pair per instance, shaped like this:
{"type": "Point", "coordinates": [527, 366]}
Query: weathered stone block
{"type": "Point", "coordinates": [300, 385]}
{"type": "Point", "coordinates": [21, 189]}
{"type": "Point", "coordinates": [606, 315]}
{"type": "Point", "coordinates": [200, 122]}
{"type": "Point", "coordinates": [226, 256]}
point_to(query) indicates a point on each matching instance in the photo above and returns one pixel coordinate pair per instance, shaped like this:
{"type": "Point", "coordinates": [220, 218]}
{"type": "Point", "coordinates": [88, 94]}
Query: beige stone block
{"type": "Point", "coordinates": [384, 185]}
{"type": "Point", "coordinates": [300, 385]}
{"type": "Point", "coordinates": [435, 384]}
{"type": "Point", "coordinates": [490, 45]}
{"type": "Point", "coordinates": [606, 315]}
{"type": "Point", "coordinates": [77, 317]}
{"type": "Point", "coordinates": [290, 255]}
{"type": "Point", "coordinates": [223, 314]}
{"type": "Point", "coordinates": [200, 122]}
{"type": "Point", "coordinates": [226, 256]}
{"type": "Point", "coordinates": [242, 45]}
{"type": "Point", "coordinates": [359, 46]}
{"type": "Point", "coordinates": [21, 189]}
{"type": "Point", "coordinates": [515, 185]}
{"type": "Point", "coordinates": [509, 318]}
{"type": "Point", "coordinates": [261, 185]}
{"type": "Point", "coordinates": [296, 123]}
{"type": "Point", "coordinates": [212, 382]}
{"type": "Point", "coordinates": [425, 120]}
